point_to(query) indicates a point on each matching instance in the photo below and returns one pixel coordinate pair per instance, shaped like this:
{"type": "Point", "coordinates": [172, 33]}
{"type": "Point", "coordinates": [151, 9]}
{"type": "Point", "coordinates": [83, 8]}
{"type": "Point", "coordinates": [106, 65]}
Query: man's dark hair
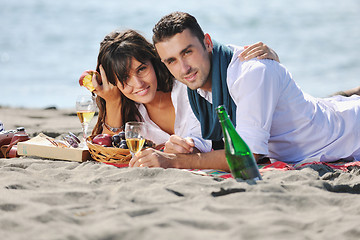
{"type": "Point", "coordinates": [175, 23]}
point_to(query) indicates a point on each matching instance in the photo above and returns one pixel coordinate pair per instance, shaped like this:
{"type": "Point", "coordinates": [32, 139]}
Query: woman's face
{"type": "Point", "coordinates": [141, 85]}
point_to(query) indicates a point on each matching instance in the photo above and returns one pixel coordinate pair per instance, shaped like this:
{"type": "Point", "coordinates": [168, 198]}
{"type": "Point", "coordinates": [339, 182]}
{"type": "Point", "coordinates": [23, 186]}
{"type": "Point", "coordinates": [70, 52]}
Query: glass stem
{"type": "Point", "coordinates": [85, 129]}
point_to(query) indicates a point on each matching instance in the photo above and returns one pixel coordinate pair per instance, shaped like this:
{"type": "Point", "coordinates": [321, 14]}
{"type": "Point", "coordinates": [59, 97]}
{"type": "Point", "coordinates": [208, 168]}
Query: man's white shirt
{"type": "Point", "coordinates": [277, 119]}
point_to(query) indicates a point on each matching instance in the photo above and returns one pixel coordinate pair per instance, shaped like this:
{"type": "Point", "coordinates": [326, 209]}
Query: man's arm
{"type": "Point", "coordinates": [154, 158]}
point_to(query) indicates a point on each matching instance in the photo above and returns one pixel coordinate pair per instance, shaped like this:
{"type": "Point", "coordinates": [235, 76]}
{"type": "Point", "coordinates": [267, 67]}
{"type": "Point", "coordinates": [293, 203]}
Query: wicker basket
{"type": "Point", "coordinates": [108, 154]}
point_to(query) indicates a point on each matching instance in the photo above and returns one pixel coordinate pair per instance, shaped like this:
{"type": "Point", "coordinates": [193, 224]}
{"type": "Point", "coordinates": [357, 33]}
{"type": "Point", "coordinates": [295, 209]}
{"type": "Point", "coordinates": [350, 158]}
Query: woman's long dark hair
{"type": "Point", "coordinates": [115, 55]}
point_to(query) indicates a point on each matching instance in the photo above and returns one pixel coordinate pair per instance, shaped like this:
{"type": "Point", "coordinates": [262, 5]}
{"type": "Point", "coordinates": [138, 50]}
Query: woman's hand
{"type": "Point", "coordinates": [112, 96]}
{"type": "Point", "coordinates": [259, 50]}
{"type": "Point", "coordinates": [104, 89]}
{"type": "Point", "coordinates": [177, 144]}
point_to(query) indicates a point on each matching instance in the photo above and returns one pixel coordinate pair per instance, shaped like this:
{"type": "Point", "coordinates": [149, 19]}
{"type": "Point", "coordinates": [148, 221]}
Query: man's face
{"type": "Point", "coordinates": [187, 59]}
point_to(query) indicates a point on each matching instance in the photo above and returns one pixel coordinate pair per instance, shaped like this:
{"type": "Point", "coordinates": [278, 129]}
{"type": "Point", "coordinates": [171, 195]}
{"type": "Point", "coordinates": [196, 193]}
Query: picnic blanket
{"type": "Point", "coordinates": [277, 165]}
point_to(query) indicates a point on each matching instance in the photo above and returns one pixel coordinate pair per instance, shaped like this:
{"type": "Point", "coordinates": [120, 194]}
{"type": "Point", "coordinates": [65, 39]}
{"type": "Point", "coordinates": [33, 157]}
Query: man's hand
{"type": "Point", "coordinates": [153, 158]}
{"type": "Point", "coordinates": [177, 144]}
{"type": "Point", "coordinates": [259, 50]}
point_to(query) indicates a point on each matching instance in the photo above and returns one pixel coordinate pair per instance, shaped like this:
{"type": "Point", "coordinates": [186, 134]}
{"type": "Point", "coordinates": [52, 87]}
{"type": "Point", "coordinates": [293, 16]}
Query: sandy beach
{"type": "Point", "coordinates": [49, 199]}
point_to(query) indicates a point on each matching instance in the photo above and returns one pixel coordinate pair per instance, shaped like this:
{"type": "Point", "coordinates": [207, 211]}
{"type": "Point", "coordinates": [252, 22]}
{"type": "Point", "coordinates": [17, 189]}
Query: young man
{"type": "Point", "coordinates": [270, 112]}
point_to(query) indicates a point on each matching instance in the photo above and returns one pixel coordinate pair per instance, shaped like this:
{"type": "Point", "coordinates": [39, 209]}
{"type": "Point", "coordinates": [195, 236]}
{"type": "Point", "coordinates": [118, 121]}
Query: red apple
{"type": "Point", "coordinates": [103, 139]}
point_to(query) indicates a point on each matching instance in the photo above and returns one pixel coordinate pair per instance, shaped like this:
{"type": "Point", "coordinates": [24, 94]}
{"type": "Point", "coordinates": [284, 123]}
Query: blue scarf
{"type": "Point", "coordinates": [204, 111]}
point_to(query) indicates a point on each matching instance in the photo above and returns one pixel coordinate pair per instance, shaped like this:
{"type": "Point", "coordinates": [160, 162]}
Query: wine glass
{"type": "Point", "coordinates": [85, 109]}
{"type": "Point", "coordinates": [134, 135]}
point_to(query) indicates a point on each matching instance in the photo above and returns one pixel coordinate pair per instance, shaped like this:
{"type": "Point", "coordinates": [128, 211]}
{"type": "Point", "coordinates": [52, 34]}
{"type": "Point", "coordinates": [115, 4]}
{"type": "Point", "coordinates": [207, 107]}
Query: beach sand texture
{"type": "Point", "coordinates": [47, 199]}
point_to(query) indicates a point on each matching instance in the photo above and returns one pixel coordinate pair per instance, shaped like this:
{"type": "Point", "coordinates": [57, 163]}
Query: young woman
{"type": "Point", "coordinates": [136, 86]}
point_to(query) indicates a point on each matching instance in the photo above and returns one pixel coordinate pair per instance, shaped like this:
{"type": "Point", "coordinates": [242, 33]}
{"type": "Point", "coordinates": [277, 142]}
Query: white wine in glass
{"type": "Point", "coordinates": [85, 116]}
{"type": "Point", "coordinates": [134, 135]}
{"type": "Point", "coordinates": [85, 109]}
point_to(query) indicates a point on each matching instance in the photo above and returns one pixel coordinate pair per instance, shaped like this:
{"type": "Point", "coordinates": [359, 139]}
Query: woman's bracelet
{"type": "Point", "coordinates": [113, 129]}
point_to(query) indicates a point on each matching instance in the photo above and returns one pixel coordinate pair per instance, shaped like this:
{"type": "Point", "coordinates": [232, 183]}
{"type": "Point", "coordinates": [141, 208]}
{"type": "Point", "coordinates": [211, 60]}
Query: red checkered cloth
{"type": "Point", "coordinates": [278, 165]}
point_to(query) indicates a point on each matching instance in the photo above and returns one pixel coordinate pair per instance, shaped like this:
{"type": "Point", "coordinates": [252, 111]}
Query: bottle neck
{"type": "Point", "coordinates": [222, 114]}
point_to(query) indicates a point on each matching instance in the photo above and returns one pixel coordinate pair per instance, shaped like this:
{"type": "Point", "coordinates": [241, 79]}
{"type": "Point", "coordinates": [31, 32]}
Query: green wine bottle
{"type": "Point", "coordinates": [238, 155]}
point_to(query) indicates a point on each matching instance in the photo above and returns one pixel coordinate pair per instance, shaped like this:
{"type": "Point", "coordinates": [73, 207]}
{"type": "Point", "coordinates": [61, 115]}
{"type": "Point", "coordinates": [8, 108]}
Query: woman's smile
{"type": "Point", "coordinates": [143, 91]}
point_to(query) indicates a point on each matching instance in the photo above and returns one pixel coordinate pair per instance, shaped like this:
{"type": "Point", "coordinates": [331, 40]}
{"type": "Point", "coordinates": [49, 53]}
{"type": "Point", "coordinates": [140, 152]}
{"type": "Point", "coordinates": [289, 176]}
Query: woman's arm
{"type": "Point", "coordinates": [259, 50]}
{"type": "Point", "coordinates": [188, 139]}
{"type": "Point", "coordinates": [112, 96]}
{"type": "Point", "coordinates": [154, 158]}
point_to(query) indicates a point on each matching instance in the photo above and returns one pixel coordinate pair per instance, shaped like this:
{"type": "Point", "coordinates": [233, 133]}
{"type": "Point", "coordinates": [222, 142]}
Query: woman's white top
{"type": "Point", "coordinates": [186, 124]}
